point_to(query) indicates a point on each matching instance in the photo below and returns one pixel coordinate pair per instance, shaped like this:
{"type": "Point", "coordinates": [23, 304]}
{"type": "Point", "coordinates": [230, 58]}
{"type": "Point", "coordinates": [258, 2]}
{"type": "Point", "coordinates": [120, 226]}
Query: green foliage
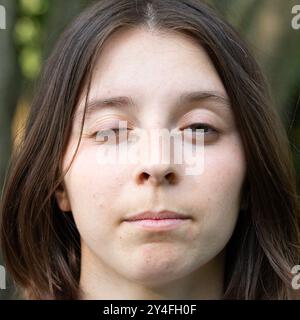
{"type": "Point", "coordinates": [34, 7]}
{"type": "Point", "coordinates": [29, 36]}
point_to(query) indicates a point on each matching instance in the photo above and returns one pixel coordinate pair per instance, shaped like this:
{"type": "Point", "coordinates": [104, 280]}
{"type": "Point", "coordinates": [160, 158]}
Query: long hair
{"type": "Point", "coordinates": [41, 245]}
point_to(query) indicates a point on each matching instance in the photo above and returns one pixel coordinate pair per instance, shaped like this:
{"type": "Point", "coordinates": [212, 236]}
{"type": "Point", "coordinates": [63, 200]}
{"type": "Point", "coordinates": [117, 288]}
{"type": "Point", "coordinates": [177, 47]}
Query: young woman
{"type": "Point", "coordinates": [71, 227]}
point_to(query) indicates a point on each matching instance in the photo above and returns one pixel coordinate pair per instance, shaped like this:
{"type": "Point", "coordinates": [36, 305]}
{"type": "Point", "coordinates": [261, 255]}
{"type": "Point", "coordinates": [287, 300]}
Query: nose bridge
{"type": "Point", "coordinates": [156, 141]}
{"type": "Point", "coordinates": [156, 150]}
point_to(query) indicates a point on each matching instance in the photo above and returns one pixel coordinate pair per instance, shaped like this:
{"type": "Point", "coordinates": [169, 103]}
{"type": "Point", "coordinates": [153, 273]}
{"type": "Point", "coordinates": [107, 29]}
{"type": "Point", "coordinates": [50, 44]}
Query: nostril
{"type": "Point", "coordinates": [145, 176]}
{"type": "Point", "coordinates": [157, 177]}
{"type": "Point", "coordinates": [171, 177]}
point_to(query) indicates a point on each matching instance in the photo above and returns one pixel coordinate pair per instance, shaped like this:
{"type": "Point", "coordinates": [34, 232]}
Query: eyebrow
{"type": "Point", "coordinates": [184, 98]}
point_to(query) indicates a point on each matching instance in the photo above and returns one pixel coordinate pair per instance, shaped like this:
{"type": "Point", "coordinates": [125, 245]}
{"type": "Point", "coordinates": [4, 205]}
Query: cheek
{"type": "Point", "coordinates": [221, 184]}
{"type": "Point", "coordinates": [93, 189]}
{"type": "Point", "coordinates": [225, 166]}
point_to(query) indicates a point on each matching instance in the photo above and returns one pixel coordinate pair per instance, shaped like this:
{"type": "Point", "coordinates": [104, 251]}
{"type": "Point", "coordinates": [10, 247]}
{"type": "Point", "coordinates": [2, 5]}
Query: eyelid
{"type": "Point", "coordinates": [209, 126]}
{"type": "Point", "coordinates": [100, 133]}
{"type": "Point", "coordinates": [112, 124]}
{"type": "Point", "coordinates": [207, 117]}
{"type": "Point", "coordinates": [113, 129]}
{"type": "Point", "coordinates": [209, 137]}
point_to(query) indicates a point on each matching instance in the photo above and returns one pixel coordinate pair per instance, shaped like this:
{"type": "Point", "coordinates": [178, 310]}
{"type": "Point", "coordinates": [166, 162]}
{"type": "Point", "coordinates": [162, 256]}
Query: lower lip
{"type": "Point", "coordinates": [158, 223]}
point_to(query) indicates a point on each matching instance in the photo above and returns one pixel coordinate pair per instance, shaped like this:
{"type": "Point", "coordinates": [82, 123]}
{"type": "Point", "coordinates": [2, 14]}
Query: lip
{"type": "Point", "coordinates": [157, 224]}
{"type": "Point", "coordinates": [157, 215]}
{"type": "Point", "coordinates": [155, 221]}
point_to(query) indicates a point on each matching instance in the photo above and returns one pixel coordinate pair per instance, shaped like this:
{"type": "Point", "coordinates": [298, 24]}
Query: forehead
{"type": "Point", "coordinates": [152, 66]}
{"type": "Point", "coordinates": [139, 57]}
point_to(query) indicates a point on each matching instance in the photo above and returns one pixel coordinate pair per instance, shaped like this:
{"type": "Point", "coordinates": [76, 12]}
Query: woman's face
{"type": "Point", "coordinates": [154, 70]}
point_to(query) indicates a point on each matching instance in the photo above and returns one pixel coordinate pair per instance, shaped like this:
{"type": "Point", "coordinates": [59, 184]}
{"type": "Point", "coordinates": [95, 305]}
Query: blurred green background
{"type": "Point", "coordinates": [34, 25]}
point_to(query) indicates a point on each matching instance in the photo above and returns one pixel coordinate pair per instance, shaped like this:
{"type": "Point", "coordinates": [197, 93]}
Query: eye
{"type": "Point", "coordinates": [105, 135]}
{"type": "Point", "coordinates": [206, 127]}
{"type": "Point", "coordinates": [109, 131]}
{"type": "Point", "coordinates": [209, 132]}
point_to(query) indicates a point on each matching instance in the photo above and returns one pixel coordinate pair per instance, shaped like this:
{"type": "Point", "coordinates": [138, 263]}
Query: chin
{"type": "Point", "coordinates": [155, 276]}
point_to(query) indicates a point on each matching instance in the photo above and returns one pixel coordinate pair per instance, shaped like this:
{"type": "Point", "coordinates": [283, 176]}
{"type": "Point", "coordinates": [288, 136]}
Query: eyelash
{"type": "Point", "coordinates": [112, 129]}
{"type": "Point", "coordinates": [205, 125]}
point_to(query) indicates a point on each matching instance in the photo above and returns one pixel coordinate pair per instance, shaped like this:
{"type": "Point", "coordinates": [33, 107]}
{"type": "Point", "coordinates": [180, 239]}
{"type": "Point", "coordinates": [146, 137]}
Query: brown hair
{"type": "Point", "coordinates": [41, 245]}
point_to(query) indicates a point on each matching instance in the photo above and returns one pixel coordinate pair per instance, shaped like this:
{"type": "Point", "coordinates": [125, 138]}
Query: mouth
{"type": "Point", "coordinates": [162, 220]}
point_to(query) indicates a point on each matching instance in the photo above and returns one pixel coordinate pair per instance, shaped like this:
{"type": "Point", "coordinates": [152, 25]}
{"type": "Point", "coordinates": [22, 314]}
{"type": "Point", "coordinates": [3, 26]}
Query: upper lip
{"type": "Point", "coordinates": [157, 215]}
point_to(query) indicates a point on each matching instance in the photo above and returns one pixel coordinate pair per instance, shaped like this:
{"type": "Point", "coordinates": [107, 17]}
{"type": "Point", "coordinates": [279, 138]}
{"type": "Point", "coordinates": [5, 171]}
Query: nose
{"type": "Point", "coordinates": [157, 174]}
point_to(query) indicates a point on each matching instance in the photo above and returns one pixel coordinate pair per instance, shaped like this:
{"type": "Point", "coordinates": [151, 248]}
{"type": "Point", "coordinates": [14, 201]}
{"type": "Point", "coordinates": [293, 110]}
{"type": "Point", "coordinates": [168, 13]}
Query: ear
{"type": "Point", "coordinates": [62, 198]}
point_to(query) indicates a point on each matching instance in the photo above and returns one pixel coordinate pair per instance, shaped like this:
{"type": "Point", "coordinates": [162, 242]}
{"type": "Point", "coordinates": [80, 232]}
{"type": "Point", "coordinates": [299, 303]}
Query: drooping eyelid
{"type": "Point", "coordinates": [107, 123]}
{"type": "Point", "coordinates": [221, 120]}
{"type": "Point", "coordinates": [210, 121]}
{"type": "Point", "coordinates": [195, 116]}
